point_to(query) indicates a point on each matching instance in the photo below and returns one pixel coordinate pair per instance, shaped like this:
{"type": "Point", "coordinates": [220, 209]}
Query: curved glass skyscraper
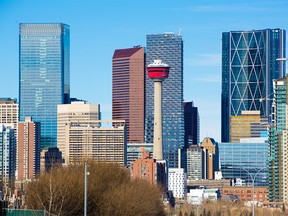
{"type": "Point", "coordinates": [44, 75]}
{"type": "Point", "coordinates": [248, 68]}
{"type": "Point", "coordinates": [169, 48]}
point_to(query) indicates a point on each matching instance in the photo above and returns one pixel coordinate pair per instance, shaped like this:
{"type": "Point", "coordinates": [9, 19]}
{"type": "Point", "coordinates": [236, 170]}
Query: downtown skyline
{"type": "Point", "coordinates": [98, 29]}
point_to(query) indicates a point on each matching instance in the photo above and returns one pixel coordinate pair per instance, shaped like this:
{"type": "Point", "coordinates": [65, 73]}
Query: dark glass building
{"type": "Point", "coordinates": [248, 68]}
{"type": "Point", "coordinates": [191, 124]}
{"type": "Point", "coordinates": [169, 48]}
{"type": "Point", "coordinates": [44, 75]}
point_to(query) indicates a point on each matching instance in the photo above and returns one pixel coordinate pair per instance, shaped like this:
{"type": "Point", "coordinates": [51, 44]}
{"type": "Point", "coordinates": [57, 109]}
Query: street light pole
{"type": "Point", "coordinates": [253, 185]}
{"type": "Point", "coordinates": [85, 188]}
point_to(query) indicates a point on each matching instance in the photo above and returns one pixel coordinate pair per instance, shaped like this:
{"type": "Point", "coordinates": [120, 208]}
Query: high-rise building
{"type": "Point", "coordinates": [177, 182]}
{"type": "Point", "coordinates": [278, 146]}
{"type": "Point", "coordinates": [195, 162]}
{"type": "Point", "coordinates": [211, 157]}
{"type": "Point", "coordinates": [135, 150]}
{"type": "Point", "coordinates": [44, 75]}
{"type": "Point", "coordinates": [50, 157]}
{"type": "Point", "coordinates": [248, 155]}
{"type": "Point", "coordinates": [248, 68]}
{"type": "Point", "coordinates": [7, 156]}
{"type": "Point", "coordinates": [77, 111]}
{"type": "Point", "coordinates": [89, 140]}
{"type": "Point", "coordinates": [169, 48]}
{"type": "Point", "coordinates": [149, 169]}
{"type": "Point", "coordinates": [9, 110]}
{"type": "Point", "coordinates": [247, 125]}
{"type": "Point", "coordinates": [128, 91]}
{"type": "Point", "coordinates": [191, 124]}
{"type": "Point", "coordinates": [29, 133]}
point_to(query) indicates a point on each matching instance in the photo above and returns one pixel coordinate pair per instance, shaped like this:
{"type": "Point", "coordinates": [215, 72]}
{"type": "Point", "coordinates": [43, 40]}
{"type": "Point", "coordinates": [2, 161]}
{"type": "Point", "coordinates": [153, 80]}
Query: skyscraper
{"type": "Point", "coordinates": [248, 68]}
{"type": "Point", "coordinates": [191, 124]}
{"type": "Point", "coordinates": [44, 75]}
{"type": "Point", "coordinates": [128, 91]}
{"type": "Point", "coordinates": [7, 156]}
{"type": "Point", "coordinates": [169, 48]}
{"type": "Point", "coordinates": [277, 140]}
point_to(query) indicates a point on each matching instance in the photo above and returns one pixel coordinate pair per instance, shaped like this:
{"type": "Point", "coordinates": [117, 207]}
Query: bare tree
{"type": "Point", "coordinates": [111, 191]}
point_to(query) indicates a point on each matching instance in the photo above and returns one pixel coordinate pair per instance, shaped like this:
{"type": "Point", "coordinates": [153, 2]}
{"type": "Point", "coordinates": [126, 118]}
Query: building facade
{"type": "Point", "coordinates": [7, 156]}
{"type": "Point", "coordinates": [89, 140]}
{"type": "Point", "coordinates": [149, 169]}
{"type": "Point", "coordinates": [191, 124]}
{"type": "Point", "coordinates": [211, 158]}
{"type": "Point", "coordinates": [247, 125]}
{"type": "Point", "coordinates": [77, 111]}
{"type": "Point", "coordinates": [169, 48]}
{"type": "Point", "coordinates": [245, 193]}
{"type": "Point", "coordinates": [248, 68]}
{"type": "Point", "coordinates": [278, 146]}
{"type": "Point", "coordinates": [128, 91]}
{"type": "Point", "coordinates": [237, 159]}
{"type": "Point", "coordinates": [135, 150]}
{"type": "Point", "coordinates": [50, 157]}
{"type": "Point", "coordinates": [29, 134]}
{"type": "Point", "coordinates": [44, 75]}
{"type": "Point", "coordinates": [177, 182]}
{"type": "Point", "coordinates": [195, 162]}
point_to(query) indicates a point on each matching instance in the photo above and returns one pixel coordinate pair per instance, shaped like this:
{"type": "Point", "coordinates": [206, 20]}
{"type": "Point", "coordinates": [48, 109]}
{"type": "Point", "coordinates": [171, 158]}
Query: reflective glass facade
{"type": "Point", "coordinates": [248, 68]}
{"type": "Point", "coordinates": [249, 156]}
{"type": "Point", "coordinates": [169, 48]}
{"type": "Point", "coordinates": [278, 145]}
{"type": "Point", "coordinates": [7, 154]}
{"type": "Point", "coordinates": [44, 75]}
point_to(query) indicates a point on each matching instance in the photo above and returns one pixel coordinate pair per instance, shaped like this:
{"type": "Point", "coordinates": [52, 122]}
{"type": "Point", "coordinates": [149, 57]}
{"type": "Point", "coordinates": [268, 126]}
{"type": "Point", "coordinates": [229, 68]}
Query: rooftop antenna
{"type": "Point", "coordinates": [180, 30]}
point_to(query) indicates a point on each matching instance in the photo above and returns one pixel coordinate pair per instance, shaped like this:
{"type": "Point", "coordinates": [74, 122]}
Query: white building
{"type": "Point", "coordinates": [197, 196]}
{"type": "Point", "coordinates": [177, 182]}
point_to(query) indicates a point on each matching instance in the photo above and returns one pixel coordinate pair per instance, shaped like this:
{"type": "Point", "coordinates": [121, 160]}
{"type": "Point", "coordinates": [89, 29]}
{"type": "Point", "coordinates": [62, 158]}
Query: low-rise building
{"type": "Point", "coordinates": [177, 182]}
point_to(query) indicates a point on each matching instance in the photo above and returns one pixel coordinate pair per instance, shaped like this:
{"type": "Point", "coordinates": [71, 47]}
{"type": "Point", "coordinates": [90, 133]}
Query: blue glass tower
{"type": "Point", "coordinates": [44, 75]}
{"type": "Point", "coordinates": [169, 48]}
{"type": "Point", "coordinates": [248, 68]}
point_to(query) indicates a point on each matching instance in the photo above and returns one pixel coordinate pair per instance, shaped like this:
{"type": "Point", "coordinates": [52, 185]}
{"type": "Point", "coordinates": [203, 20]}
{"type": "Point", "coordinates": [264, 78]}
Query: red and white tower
{"type": "Point", "coordinates": [158, 71]}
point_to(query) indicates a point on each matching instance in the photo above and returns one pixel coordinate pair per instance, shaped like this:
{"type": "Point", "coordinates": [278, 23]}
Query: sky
{"type": "Point", "coordinates": [97, 28]}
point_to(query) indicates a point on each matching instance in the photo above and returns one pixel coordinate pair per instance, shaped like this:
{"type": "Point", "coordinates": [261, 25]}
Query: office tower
{"type": "Point", "coordinates": [135, 150]}
{"type": "Point", "coordinates": [158, 72]}
{"type": "Point", "coordinates": [29, 133]}
{"type": "Point", "coordinates": [247, 125]}
{"type": "Point", "coordinates": [248, 155]}
{"type": "Point", "coordinates": [50, 157]}
{"type": "Point", "coordinates": [195, 162]}
{"type": "Point", "coordinates": [177, 182]}
{"type": "Point", "coordinates": [148, 169]}
{"type": "Point", "coordinates": [128, 91]}
{"type": "Point", "coordinates": [277, 139]}
{"type": "Point", "coordinates": [77, 111]}
{"type": "Point", "coordinates": [44, 75]}
{"type": "Point", "coordinates": [211, 157]}
{"type": "Point", "coordinates": [248, 68]}
{"type": "Point", "coordinates": [7, 157]}
{"type": "Point", "coordinates": [89, 140]}
{"type": "Point", "coordinates": [191, 124]}
{"type": "Point", "coordinates": [9, 112]}
{"type": "Point", "coordinates": [169, 48]}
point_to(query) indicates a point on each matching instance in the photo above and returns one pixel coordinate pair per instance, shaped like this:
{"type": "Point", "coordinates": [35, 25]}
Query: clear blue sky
{"type": "Point", "coordinates": [99, 27]}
